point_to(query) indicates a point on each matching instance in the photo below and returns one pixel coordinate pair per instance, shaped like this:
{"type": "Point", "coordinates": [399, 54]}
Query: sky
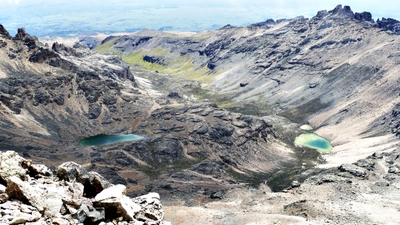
{"type": "Point", "coordinates": [72, 17]}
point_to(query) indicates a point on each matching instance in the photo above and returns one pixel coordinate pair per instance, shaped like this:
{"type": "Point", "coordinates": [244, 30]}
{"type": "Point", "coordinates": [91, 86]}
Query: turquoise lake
{"type": "Point", "coordinates": [313, 141]}
{"type": "Point", "coordinates": [103, 139]}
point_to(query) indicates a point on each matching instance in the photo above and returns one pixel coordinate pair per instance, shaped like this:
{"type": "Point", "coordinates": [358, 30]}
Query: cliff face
{"type": "Point", "coordinates": [336, 71]}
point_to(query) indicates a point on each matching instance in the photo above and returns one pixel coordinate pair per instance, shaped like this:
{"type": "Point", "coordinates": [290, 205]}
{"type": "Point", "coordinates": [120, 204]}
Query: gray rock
{"type": "Point", "coordinates": [40, 169]}
{"type": "Point", "coordinates": [313, 85]}
{"type": "Point", "coordinates": [11, 165]}
{"type": "Point", "coordinates": [377, 155]}
{"type": "Point", "coordinates": [17, 213]}
{"type": "Point", "coordinates": [201, 129]}
{"type": "Point", "coordinates": [52, 201]}
{"type": "Point", "coordinates": [70, 171]}
{"type": "Point", "coordinates": [363, 16]}
{"type": "Point", "coordinates": [354, 170]}
{"type": "Point", "coordinates": [295, 184]}
{"type": "Point", "coordinates": [368, 164]}
{"type": "Point", "coordinates": [17, 189]}
{"type": "Point", "coordinates": [217, 195]}
{"type": "Point", "coordinates": [93, 182]}
{"type": "Point", "coordinates": [152, 211]}
{"type": "Point", "coordinates": [97, 214]}
{"type": "Point", "coordinates": [113, 198]}
{"type": "Point", "coordinates": [327, 178]}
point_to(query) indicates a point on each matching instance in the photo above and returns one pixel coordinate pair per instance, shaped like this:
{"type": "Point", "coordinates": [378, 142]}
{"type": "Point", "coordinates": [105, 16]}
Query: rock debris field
{"type": "Point", "coordinates": [35, 194]}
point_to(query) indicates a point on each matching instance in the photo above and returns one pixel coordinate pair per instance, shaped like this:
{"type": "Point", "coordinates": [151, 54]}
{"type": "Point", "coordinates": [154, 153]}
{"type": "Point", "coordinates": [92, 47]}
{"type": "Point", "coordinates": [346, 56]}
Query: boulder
{"type": "Point", "coordinates": [152, 211]}
{"type": "Point", "coordinates": [18, 189]}
{"type": "Point", "coordinates": [174, 94]}
{"type": "Point", "coordinates": [39, 169]}
{"type": "Point", "coordinates": [43, 54]}
{"type": "Point", "coordinates": [62, 49]}
{"type": "Point", "coordinates": [354, 170]}
{"type": "Point", "coordinates": [217, 195]}
{"type": "Point", "coordinates": [11, 164]}
{"type": "Point", "coordinates": [89, 215]}
{"type": "Point", "coordinates": [368, 164]}
{"type": "Point", "coordinates": [115, 201]}
{"type": "Point", "coordinates": [153, 59]}
{"type": "Point", "coordinates": [93, 182]}
{"type": "Point", "coordinates": [46, 198]}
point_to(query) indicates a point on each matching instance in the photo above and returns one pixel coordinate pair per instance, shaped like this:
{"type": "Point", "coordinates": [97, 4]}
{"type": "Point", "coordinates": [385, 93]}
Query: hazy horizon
{"type": "Point", "coordinates": [71, 17]}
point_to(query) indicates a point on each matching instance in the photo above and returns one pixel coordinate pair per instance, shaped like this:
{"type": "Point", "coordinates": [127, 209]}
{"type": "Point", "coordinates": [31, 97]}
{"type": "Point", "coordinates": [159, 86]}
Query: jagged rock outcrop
{"type": "Point", "coordinates": [62, 198]}
{"type": "Point", "coordinates": [30, 41]}
{"type": "Point", "coordinates": [363, 16]}
{"type": "Point", "coordinates": [389, 24]}
{"type": "Point", "coordinates": [4, 32]}
{"type": "Point", "coordinates": [342, 11]}
{"type": "Point", "coordinates": [64, 50]}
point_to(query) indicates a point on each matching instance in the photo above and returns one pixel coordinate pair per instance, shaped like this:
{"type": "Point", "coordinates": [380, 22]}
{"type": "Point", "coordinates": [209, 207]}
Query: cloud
{"type": "Point", "coordinates": [13, 2]}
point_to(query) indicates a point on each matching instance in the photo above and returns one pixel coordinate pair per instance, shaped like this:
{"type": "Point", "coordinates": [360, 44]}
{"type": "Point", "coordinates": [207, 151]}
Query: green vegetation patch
{"type": "Point", "coordinates": [173, 64]}
{"type": "Point", "coordinates": [136, 58]}
{"type": "Point", "coordinates": [107, 47]}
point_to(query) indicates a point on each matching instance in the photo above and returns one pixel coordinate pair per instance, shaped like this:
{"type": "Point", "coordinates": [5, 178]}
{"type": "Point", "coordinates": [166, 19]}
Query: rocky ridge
{"type": "Point", "coordinates": [335, 71]}
{"type": "Point", "coordinates": [35, 194]}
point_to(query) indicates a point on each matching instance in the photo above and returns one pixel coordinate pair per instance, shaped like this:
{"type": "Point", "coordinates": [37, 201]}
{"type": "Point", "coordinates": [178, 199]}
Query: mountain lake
{"type": "Point", "coordinates": [103, 139]}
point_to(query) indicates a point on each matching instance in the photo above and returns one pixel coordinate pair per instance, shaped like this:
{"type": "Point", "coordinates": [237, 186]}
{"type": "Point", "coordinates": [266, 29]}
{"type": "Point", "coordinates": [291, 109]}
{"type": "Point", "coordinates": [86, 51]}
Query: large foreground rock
{"type": "Point", "coordinates": [48, 199]}
{"type": "Point", "coordinates": [94, 183]}
{"type": "Point", "coordinates": [114, 199]}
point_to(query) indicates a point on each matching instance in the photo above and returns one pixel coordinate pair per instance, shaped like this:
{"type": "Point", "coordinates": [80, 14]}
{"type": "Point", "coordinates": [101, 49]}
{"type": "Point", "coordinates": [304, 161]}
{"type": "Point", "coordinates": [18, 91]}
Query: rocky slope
{"type": "Point", "coordinates": [52, 97]}
{"type": "Point", "coordinates": [336, 71]}
{"type": "Point", "coordinates": [36, 194]}
{"type": "Point", "coordinates": [365, 192]}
